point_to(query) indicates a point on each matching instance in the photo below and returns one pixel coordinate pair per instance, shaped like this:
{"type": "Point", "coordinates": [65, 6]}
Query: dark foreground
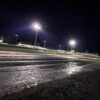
{"type": "Point", "coordinates": [39, 76]}
{"type": "Point", "coordinates": [85, 86]}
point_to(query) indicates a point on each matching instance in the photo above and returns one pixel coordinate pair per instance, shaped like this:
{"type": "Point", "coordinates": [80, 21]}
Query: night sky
{"type": "Point", "coordinates": [60, 21]}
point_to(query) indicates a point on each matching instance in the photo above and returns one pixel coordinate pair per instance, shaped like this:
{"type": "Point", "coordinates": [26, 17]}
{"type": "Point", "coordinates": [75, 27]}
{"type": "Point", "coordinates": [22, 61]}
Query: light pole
{"type": "Point", "coordinates": [72, 43]}
{"type": "Point", "coordinates": [36, 28]}
{"type": "Point", "coordinates": [16, 38]}
{"type": "Point", "coordinates": [44, 43]}
{"type": "Point", "coordinates": [60, 48]}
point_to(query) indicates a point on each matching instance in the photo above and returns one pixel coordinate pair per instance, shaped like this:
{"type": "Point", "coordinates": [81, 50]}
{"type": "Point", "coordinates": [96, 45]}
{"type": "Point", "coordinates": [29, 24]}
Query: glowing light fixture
{"type": "Point", "coordinates": [72, 43]}
{"type": "Point", "coordinates": [36, 27]}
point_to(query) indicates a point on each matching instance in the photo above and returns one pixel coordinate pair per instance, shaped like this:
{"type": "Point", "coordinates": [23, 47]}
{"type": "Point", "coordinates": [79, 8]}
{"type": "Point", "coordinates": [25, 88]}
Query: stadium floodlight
{"type": "Point", "coordinates": [72, 43]}
{"type": "Point", "coordinates": [36, 27]}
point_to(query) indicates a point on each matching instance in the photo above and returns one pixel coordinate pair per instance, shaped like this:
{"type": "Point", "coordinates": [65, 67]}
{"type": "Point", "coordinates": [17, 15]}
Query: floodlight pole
{"type": "Point", "coordinates": [36, 28]}
{"type": "Point", "coordinates": [16, 38]}
{"type": "Point", "coordinates": [71, 48]}
{"type": "Point", "coordinates": [35, 38]}
{"type": "Point", "coordinates": [44, 44]}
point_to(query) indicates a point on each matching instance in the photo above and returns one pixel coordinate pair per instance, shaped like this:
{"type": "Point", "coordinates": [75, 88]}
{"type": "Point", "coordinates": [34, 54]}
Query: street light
{"type": "Point", "coordinates": [36, 27]}
{"type": "Point", "coordinates": [72, 43]}
{"type": "Point", "coordinates": [44, 43]}
{"type": "Point", "coordinates": [16, 38]}
{"type": "Point", "coordinates": [59, 47]}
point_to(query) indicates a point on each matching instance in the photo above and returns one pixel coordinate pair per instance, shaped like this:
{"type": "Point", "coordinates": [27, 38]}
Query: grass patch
{"type": "Point", "coordinates": [15, 48]}
{"type": "Point", "coordinates": [24, 49]}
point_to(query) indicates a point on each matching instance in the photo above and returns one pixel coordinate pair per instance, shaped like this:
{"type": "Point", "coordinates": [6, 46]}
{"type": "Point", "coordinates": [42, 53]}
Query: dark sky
{"type": "Point", "coordinates": [60, 21]}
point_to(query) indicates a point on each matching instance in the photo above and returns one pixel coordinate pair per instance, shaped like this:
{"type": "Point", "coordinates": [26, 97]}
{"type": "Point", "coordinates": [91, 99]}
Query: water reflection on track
{"type": "Point", "coordinates": [21, 71]}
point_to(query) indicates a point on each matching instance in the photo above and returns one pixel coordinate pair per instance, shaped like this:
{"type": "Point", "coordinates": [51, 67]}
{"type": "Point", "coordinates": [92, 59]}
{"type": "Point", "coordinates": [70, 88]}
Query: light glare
{"type": "Point", "coordinates": [36, 26]}
{"type": "Point", "coordinates": [72, 42]}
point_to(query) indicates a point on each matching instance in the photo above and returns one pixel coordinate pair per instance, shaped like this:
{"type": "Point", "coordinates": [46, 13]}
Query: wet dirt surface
{"type": "Point", "coordinates": [19, 71]}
